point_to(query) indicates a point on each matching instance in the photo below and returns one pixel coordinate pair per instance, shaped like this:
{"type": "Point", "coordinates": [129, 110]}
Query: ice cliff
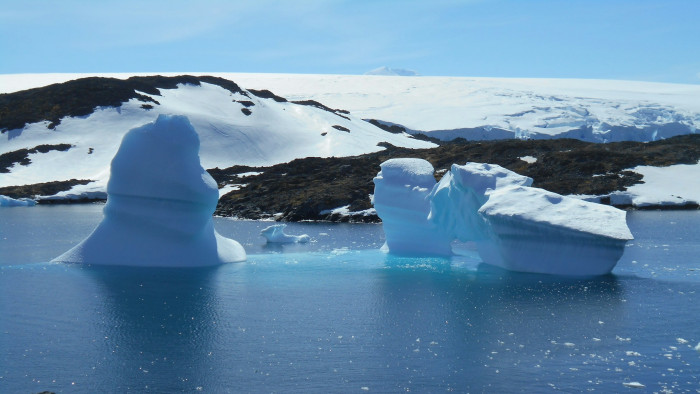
{"type": "Point", "coordinates": [514, 226]}
{"type": "Point", "coordinates": [400, 199]}
{"type": "Point", "coordinates": [159, 206]}
{"type": "Point", "coordinates": [455, 201]}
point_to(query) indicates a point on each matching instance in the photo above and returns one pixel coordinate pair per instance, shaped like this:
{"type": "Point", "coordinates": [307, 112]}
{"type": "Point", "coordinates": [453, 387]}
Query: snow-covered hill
{"type": "Point", "coordinates": [277, 131]}
{"type": "Point", "coordinates": [235, 128]}
{"type": "Point", "coordinates": [480, 108]}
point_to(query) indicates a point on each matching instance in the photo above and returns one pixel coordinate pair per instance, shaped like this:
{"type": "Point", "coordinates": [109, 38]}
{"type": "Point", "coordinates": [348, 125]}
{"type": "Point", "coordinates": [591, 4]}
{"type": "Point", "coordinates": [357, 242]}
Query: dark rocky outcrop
{"type": "Point", "coordinates": [21, 156]}
{"type": "Point", "coordinates": [314, 103]}
{"type": "Point", "coordinates": [80, 97]}
{"type": "Point", "coordinates": [303, 188]}
{"type": "Point", "coordinates": [264, 93]}
{"type": "Point", "coordinates": [43, 189]}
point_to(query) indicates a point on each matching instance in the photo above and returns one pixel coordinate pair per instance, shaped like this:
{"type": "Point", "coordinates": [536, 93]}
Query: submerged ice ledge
{"type": "Point", "coordinates": [514, 226]}
{"type": "Point", "coordinates": [159, 206]}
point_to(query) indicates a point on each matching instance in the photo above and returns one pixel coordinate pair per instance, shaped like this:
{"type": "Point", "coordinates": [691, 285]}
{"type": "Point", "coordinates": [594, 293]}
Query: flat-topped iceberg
{"type": "Point", "coordinates": [515, 226]}
{"type": "Point", "coordinates": [401, 189]}
{"type": "Point", "coordinates": [276, 234]}
{"type": "Point", "coordinates": [159, 206]}
{"type": "Point", "coordinates": [533, 230]}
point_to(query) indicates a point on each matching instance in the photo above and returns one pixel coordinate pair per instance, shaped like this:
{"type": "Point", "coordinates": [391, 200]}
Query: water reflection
{"type": "Point", "coordinates": [458, 328]}
{"type": "Point", "coordinates": [159, 326]}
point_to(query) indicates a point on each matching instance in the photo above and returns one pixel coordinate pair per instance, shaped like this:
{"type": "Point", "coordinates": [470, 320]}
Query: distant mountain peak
{"type": "Point", "coordinates": [384, 70]}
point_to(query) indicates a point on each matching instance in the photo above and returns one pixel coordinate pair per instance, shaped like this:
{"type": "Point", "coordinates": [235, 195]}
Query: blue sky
{"type": "Point", "coordinates": [610, 39]}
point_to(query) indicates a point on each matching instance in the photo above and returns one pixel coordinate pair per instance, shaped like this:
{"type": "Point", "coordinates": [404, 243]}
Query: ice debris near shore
{"type": "Point", "coordinates": [276, 234]}
{"type": "Point", "coordinates": [159, 206]}
{"type": "Point", "coordinates": [514, 226]}
{"type": "Point", "coordinates": [6, 201]}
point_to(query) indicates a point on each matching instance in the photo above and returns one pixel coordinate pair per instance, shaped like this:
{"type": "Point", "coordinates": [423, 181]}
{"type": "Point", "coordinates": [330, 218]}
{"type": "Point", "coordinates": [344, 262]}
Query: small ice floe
{"type": "Point", "coordinates": [697, 347]}
{"type": "Point", "coordinates": [681, 341]}
{"type": "Point", "coordinates": [6, 201]}
{"type": "Point", "coordinates": [276, 234]}
{"type": "Point", "coordinates": [633, 385]}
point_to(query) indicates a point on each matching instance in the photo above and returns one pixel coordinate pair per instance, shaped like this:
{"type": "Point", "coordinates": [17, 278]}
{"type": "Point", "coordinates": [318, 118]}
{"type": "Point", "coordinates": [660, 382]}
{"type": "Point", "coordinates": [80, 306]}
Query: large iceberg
{"type": "Point", "coordinates": [401, 189]}
{"type": "Point", "coordinates": [534, 230]}
{"type": "Point", "coordinates": [514, 226]}
{"type": "Point", "coordinates": [159, 206]}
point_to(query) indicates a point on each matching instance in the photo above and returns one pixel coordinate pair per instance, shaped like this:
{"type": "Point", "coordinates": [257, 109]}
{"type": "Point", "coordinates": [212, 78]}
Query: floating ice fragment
{"type": "Point", "coordinates": [697, 347]}
{"type": "Point", "coordinates": [6, 201]}
{"type": "Point", "coordinates": [634, 385]}
{"type": "Point", "coordinates": [276, 234]}
{"type": "Point", "coordinates": [159, 206]}
{"type": "Point", "coordinates": [633, 353]}
{"type": "Point", "coordinates": [681, 341]}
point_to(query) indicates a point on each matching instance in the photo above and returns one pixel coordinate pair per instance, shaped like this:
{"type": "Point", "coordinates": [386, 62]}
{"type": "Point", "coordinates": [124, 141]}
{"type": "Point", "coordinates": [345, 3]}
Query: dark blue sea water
{"type": "Point", "coordinates": [337, 315]}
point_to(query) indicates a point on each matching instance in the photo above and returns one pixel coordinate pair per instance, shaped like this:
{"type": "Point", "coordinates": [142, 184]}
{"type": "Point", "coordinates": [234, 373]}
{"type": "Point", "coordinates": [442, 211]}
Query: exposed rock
{"type": "Point", "coordinates": [43, 189]}
{"type": "Point", "coordinates": [81, 96]}
{"type": "Point", "coordinates": [21, 156]}
{"type": "Point", "coordinates": [303, 188]}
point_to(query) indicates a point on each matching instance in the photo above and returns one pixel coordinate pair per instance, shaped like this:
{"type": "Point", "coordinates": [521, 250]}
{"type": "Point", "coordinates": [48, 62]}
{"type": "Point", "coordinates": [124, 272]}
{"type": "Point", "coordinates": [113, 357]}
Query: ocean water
{"type": "Point", "coordinates": [337, 315]}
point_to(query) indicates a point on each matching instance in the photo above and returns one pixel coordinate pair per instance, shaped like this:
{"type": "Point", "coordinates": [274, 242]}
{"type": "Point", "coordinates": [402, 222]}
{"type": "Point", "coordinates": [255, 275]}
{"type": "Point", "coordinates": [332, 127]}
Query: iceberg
{"type": "Point", "coordinates": [160, 203]}
{"type": "Point", "coordinates": [6, 201]}
{"type": "Point", "coordinates": [513, 225]}
{"type": "Point", "coordinates": [456, 199]}
{"type": "Point", "coordinates": [534, 230]}
{"type": "Point", "coordinates": [276, 234]}
{"type": "Point", "coordinates": [401, 192]}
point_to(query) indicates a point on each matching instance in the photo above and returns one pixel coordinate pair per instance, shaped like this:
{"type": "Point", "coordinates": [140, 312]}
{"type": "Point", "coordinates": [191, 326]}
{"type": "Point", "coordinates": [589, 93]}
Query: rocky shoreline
{"type": "Point", "coordinates": [338, 189]}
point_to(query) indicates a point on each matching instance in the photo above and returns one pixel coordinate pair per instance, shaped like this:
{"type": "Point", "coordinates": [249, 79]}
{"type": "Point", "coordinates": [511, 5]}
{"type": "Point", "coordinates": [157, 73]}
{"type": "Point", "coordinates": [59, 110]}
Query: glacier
{"type": "Point", "coordinates": [276, 234]}
{"type": "Point", "coordinates": [513, 225]}
{"type": "Point", "coordinates": [160, 203]}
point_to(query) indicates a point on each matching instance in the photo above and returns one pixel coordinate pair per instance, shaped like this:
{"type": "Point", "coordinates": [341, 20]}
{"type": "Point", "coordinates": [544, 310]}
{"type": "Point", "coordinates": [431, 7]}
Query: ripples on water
{"type": "Point", "coordinates": [338, 315]}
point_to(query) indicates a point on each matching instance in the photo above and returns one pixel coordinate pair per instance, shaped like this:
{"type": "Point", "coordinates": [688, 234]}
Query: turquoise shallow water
{"type": "Point", "coordinates": [338, 315]}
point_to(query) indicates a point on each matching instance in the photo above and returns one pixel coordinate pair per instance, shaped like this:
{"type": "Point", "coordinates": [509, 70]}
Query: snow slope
{"type": "Point", "coordinates": [444, 107]}
{"type": "Point", "coordinates": [479, 108]}
{"type": "Point", "coordinates": [676, 185]}
{"type": "Point", "coordinates": [274, 132]}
